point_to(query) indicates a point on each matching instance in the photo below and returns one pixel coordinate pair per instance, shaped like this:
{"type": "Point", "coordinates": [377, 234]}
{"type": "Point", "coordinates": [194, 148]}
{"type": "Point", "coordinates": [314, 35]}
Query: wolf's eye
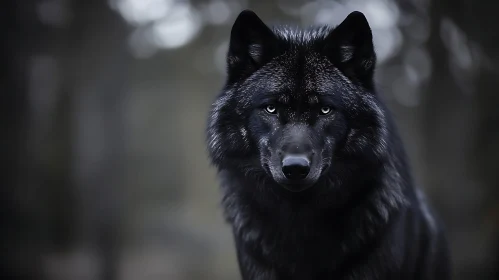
{"type": "Point", "coordinates": [270, 109]}
{"type": "Point", "coordinates": [325, 110]}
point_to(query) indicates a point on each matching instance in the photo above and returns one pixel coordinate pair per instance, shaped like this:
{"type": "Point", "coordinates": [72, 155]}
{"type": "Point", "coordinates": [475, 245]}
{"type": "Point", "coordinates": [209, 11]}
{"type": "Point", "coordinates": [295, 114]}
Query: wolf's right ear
{"type": "Point", "coordinates": [350, 47]}
{"type": "Point", "coordinates": [252, 44]}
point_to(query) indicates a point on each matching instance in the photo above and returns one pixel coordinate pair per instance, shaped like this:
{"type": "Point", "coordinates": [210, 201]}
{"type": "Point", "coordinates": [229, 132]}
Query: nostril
{"type": "Point", "coordinates": [295, 167]}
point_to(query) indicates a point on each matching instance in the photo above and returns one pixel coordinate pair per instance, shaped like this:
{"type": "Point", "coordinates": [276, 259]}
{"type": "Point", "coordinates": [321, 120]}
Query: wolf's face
{"type": "Point", "coordinates": [295, 118]}
{"type": "Point", "coordinates": [296, 103]}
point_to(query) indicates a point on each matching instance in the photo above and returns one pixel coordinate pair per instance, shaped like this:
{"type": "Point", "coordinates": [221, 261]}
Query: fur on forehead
{"type": "Point", "coordinates": [313, 36]}
{"type": "Point", "coordinates": [300, 73]}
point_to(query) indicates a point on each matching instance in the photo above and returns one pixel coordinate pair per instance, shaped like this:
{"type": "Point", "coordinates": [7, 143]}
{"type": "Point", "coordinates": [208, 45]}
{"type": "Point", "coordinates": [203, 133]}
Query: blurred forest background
{"type": "Point", "coordinates": [102, 125]}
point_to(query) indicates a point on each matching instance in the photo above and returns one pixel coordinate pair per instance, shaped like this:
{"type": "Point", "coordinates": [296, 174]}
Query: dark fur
{"type": "Point", "coordinates": [357, 214]}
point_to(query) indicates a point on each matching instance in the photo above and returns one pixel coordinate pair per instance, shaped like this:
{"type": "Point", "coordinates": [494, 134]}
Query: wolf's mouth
{"type": "Point", "coordinates": [297, 186]}
{"type": "Point", "coordinates": [294, 185]}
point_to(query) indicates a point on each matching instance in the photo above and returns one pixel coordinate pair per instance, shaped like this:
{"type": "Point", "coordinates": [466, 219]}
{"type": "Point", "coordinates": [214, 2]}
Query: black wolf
{"type": "Point", "coordinates": [315, 180]}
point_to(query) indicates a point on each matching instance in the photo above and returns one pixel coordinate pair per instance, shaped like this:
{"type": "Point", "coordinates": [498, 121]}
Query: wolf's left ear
{"type": "Point", "coordinates": [252, 44]}
{"type": "Point", "coordinates": [350, 48]}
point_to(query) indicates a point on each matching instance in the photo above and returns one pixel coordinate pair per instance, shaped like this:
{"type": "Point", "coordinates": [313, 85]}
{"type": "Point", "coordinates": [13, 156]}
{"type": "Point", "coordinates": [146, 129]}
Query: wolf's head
{"type": "Point", "coordinates": [298, 104]}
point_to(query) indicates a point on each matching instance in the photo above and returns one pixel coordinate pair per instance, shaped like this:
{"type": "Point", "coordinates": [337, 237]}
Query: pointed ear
{"type": "Point", "coordinates": [350, 48]}
{"type": "Point", "coordinates": [252, 44]}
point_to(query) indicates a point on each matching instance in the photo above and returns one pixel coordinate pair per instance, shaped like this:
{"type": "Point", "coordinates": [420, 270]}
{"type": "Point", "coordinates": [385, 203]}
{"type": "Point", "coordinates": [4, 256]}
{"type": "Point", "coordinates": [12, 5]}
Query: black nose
{"type": "Point", "coordinates": [295, 167]}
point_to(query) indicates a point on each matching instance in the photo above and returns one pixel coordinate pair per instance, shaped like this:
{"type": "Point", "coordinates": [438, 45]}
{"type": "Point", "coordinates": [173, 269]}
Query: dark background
{"type": "Point", "coordinates": [105, 173]}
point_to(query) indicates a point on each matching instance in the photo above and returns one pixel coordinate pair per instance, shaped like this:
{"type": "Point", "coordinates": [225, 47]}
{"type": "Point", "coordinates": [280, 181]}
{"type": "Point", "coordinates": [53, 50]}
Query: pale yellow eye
{"type": "Point", "coordinates": [271, 109]}
{"type": "Point", "coordinates": [325, 110]}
